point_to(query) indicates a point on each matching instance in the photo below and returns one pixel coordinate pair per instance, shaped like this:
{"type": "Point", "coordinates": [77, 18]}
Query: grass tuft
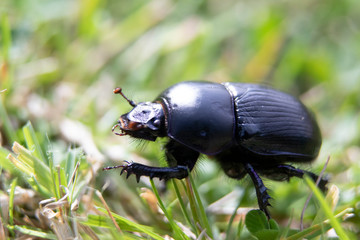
{"type": "Point", "coordinates": [61, 60]}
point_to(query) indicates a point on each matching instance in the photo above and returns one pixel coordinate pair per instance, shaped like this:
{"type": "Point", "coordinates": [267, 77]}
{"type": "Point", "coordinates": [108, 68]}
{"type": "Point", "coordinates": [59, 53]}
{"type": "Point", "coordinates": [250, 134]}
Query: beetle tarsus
{"type": "Point", "coordinates": [322, 183]}
{"type": "Point", "coordinates": [112, 167]}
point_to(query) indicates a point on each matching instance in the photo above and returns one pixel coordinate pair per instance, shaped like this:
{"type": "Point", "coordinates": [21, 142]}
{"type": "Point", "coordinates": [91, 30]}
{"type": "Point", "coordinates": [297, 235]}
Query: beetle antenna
{"type": "Point", "coordinates": [119, 91]}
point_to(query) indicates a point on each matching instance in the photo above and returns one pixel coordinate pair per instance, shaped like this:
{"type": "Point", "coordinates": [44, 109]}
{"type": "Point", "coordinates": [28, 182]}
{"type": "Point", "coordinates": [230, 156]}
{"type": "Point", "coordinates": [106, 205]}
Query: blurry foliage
{"type": "Point", "coordinates": [60, 60]}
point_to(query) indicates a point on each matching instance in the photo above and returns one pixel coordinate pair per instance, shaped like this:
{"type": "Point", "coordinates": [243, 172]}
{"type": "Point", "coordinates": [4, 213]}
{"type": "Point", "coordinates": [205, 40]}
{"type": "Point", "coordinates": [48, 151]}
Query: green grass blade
{"type": "Point", "coordinates": [201, 209]}
{"type": "Point", "coordinates": [240, 228]}
{"type": "Point", "coordinates": [318, 229]}
{"type": "Point", "coordinates": [182, 205]}
{"type": "Point", "coordinates": [228, 230]}
{"type": "Point", "coordinates": [192, 202]}
{"type": "Point", "coordinates": [87, 26]}
{"type": "Point", "coordinates": [11, 203]}
{"type": "Point", "coordinates": [33, 143]}
{"type": "Point", "coordinates": [42, 190]}
{"type": "Point", "coordinates": [9, 131]}
{"type": "Point", "coordinates": [5, 162]}
{"type": "Point", "coordinates": [53, 174]}
{"type": "Point", "coordinates": [332, 199]}
{"type": "Point", "coordinates": [326, 208]}
{"type": "Point", "coordinates": [124, 224]}
{"type": "Point", "coordinates": [35, 233]}
{"type": "Point", "coordinates": [178, 233]}
{"type": "Point", "coordinates": [33, 166]}
{"type": "Point", "coordinates": [6, 37]}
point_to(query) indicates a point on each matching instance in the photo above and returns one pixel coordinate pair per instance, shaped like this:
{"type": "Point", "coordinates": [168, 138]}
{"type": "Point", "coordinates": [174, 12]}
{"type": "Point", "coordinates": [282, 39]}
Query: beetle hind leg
{"type": "Point", "coordinates": [285, 172]}
{"type": "Point", "coordinates": [261, 191]}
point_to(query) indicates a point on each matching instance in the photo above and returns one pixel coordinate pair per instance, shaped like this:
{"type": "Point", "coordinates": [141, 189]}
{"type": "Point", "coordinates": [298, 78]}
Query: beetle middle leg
{"type": "Point", "coordinates": [261, 191]}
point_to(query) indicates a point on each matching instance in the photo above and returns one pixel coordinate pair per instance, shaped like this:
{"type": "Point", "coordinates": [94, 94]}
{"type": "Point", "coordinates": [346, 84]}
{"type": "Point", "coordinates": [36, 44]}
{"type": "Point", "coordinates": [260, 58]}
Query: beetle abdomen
{"type": "Point", "coordinates": [271, 122]}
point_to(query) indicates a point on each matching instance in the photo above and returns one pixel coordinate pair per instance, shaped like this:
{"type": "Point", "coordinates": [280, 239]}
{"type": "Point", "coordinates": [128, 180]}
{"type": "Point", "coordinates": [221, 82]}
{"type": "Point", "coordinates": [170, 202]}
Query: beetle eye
{"type": "Point", "coordinates": [157, 123]}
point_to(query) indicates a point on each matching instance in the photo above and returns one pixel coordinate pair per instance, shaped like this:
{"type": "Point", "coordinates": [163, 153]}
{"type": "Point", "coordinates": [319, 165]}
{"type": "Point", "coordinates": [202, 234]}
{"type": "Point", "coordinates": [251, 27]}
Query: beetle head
{"type": "Point", "coordinates": [145, 121]}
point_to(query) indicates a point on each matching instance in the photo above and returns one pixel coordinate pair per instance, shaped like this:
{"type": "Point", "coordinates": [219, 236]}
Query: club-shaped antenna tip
{"type": "Point", "coordinates": [117, 90]}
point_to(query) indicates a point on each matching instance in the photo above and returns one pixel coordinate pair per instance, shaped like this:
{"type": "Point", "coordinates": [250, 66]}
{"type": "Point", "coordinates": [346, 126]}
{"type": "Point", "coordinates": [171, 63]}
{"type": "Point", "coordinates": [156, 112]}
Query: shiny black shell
{"type": "Point", "coordinates": [211, 118]}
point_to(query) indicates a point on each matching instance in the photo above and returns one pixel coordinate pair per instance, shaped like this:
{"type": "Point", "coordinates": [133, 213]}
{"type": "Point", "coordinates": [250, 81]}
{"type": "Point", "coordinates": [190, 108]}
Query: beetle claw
{"type": "Point", "coordinates": [138, 178]}
{"type": "Point", "coordinates": [112, 167]}
{"type": "Point", "coordinates": [125, 168]}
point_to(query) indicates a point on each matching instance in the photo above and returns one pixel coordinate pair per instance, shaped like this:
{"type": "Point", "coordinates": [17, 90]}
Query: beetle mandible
{"type": "Point", "coordinates": [248, 128]}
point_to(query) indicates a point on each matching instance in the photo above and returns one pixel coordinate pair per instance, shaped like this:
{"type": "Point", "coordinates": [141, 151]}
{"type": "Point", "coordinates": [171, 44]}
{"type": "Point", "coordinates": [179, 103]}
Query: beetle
{"type": "Point", "coordinates": [248, 128]}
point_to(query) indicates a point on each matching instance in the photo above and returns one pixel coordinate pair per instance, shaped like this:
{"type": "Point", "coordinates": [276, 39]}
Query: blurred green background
{"type": "Point", "coordinates": [61, 59]}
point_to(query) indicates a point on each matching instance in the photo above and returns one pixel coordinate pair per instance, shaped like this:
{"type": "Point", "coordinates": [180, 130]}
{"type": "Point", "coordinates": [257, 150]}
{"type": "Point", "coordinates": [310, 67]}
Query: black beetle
{"type": "Point", "coordinates": [248, 128]}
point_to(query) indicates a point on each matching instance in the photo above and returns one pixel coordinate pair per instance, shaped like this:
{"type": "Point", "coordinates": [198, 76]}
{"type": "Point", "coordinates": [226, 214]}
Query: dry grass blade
{"type": "Point", "coordinates": [108, 210]}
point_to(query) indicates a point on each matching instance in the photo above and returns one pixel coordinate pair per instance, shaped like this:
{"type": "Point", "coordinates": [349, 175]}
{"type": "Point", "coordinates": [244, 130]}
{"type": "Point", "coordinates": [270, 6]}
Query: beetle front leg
{"type": "Point", "coordinates": [166, 173]}
{"type": "Point", "coordinates": [261, 191]}
{"type": "Point", "coordinates": [180, 158]}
